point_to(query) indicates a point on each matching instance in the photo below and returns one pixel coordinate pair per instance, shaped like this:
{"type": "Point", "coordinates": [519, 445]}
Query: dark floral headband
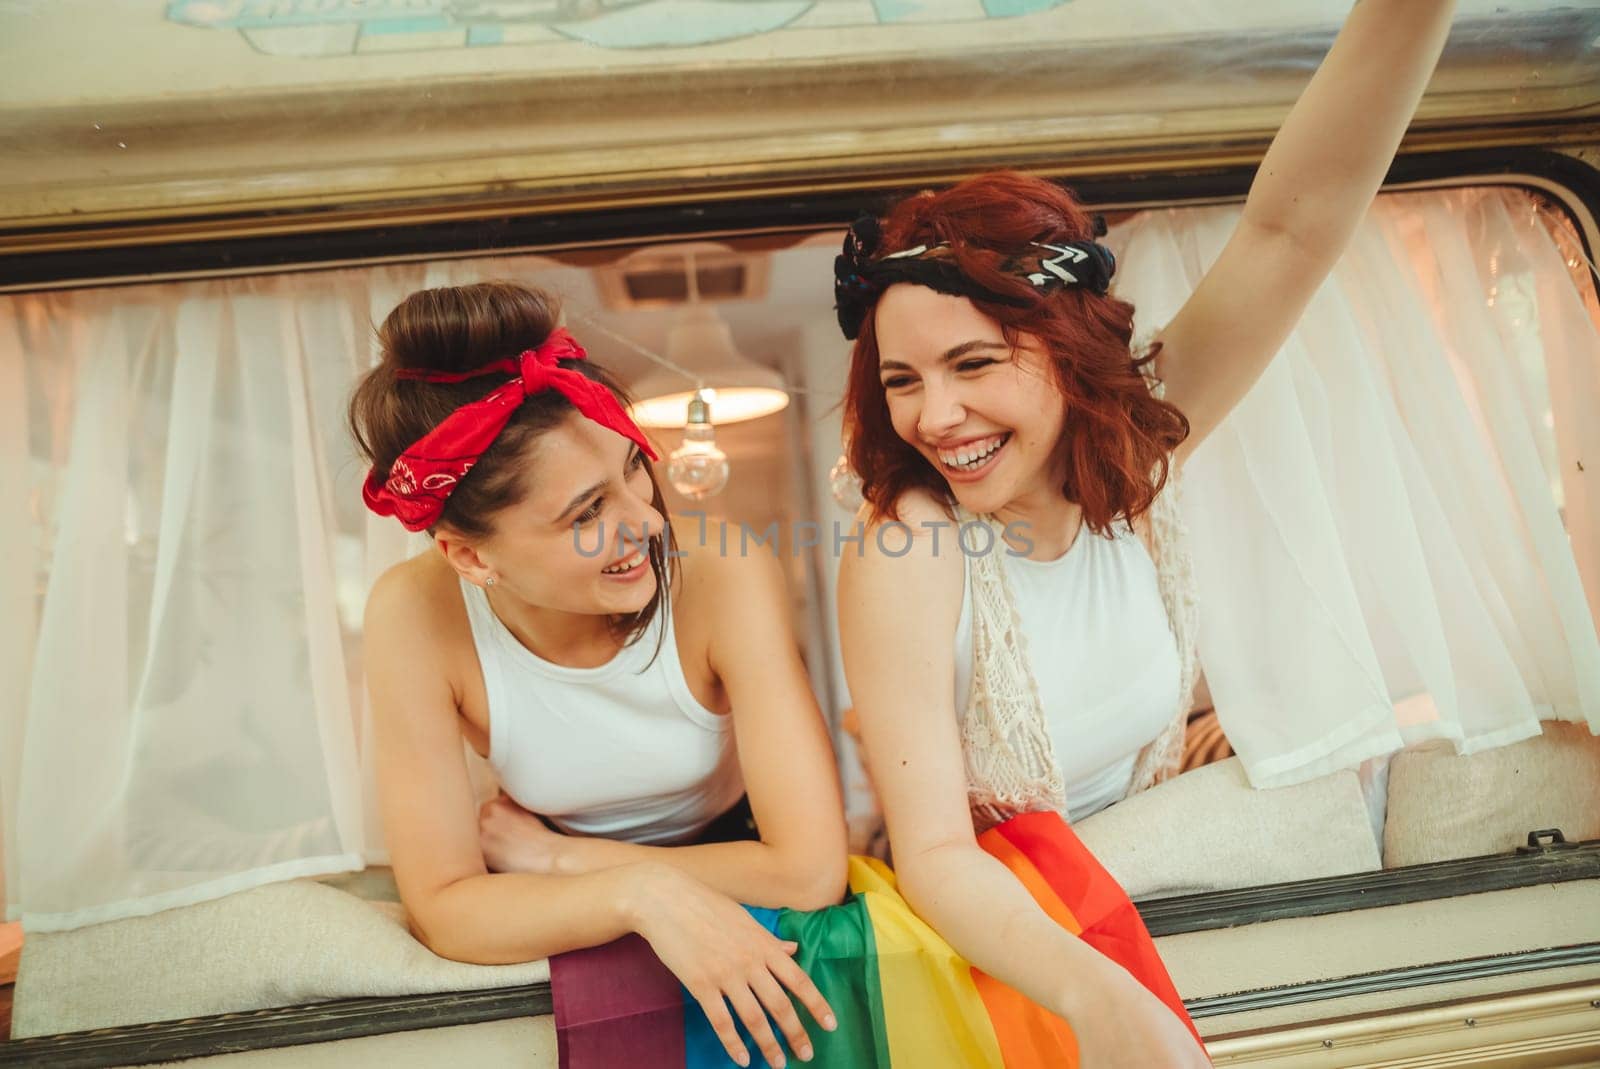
{"type": "Point", "coordinates": [860, 274]}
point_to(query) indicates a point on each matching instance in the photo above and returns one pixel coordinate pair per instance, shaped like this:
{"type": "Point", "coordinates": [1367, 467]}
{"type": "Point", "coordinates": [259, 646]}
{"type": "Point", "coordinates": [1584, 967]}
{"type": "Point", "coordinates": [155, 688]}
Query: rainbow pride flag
{"type": "Point", "coordinates": [902, 996]}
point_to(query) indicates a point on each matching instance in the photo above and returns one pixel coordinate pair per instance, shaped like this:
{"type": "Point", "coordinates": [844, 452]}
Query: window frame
{"type": "Point", "coordinates": [273, 242]}
{"type": "Point", "coordinates": [341, 1019]}
{"type": "Point", "coordinates": [315, 239]}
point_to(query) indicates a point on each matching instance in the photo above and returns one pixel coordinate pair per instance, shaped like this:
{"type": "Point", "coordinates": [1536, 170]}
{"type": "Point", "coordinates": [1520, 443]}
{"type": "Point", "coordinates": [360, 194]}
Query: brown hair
{"type": "Point", "coordinates": [458, 328]}
{"type": "Point", "coordinates": [1117, 440]}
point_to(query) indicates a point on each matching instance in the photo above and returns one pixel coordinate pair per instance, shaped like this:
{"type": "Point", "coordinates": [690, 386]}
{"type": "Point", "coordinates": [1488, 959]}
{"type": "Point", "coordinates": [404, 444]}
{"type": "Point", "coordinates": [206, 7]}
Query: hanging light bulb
{"type": "Point", "coordinates": [697, 468]}
{"type": "Point", "coordinates": [700, 338]}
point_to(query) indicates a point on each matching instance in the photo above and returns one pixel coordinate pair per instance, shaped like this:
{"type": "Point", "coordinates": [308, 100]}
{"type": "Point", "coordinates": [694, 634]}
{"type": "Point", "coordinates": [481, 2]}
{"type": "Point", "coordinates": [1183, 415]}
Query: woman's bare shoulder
{"type": "Point", "coordinates": [702, 545]}
{"type": "Point", "coordinates": [917, 508]}
{"type": "Point", "coordinates": [910, 558]}
{"type": "Point", "coordinates": [720, 558]}
{"type": "Point", "coordinates": [420, 595]}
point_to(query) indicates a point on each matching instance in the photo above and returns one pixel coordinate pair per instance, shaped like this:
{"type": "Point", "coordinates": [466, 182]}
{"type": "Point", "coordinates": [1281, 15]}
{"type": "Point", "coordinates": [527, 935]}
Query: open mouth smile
{"type": "Point", "coordinates": [629, 567]}
{"type": "Point", "coordinates": [972, 459]}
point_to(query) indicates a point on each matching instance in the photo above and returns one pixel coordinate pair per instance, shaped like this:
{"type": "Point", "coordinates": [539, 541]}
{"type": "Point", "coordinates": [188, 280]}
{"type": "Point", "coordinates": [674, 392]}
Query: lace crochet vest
{"type": "Point", "coordinates": [1011, 765]}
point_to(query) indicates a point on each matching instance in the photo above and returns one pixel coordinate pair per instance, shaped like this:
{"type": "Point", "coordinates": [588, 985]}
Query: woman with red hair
{"type": "Point", "coordinates": [1014, 442]}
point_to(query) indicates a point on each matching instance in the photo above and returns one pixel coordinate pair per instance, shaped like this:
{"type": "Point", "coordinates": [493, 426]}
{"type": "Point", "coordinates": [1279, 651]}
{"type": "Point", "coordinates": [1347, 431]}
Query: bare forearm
{"type": "Point", "coordinates": [987, 915]}
{"type": "Point", "coordinates": [1329, 159]}
{"type": "Point", "coordinates": [755, 873]}
{"type": "Point", "coordinates": [502, 918]}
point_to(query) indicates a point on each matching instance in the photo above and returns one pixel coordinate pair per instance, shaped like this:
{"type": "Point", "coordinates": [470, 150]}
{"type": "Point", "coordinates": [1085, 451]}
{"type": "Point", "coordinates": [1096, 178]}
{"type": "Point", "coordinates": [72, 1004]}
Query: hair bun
{"type": "Point", "coordinates": [458, 328]}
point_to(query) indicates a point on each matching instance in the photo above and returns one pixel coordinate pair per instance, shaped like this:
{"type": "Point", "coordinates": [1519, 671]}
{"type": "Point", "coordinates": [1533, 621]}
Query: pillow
{"type": "Point", "coordinates": [1444, 806]}
{"type": "Point", "coordinates": [1209, 830]}
{"type": "Point", "coordinates": [278, 945]}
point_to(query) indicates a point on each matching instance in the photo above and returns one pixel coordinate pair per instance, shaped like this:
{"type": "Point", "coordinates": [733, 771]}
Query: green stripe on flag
{"type": "Point", "coordinates": [838, 952]}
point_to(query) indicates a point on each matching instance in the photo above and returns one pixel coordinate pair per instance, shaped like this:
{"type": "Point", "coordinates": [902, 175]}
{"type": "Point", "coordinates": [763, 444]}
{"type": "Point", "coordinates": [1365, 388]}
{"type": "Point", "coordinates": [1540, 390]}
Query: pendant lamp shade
{"type": "Point", "coordinates": [701, 342]}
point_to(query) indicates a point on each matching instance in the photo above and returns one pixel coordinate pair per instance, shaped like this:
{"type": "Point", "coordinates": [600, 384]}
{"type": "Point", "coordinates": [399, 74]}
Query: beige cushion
{"type": "Point", "coordinates": [1442, 806]}
{"type": "Point", "coordinates": [278, 945]}
{"type": "Point", "coordinates": [1209, 830]}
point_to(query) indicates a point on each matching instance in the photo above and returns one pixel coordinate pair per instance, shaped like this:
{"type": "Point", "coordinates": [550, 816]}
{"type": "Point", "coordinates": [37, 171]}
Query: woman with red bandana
{"type": "Point", "coordinates": [1013, 461]}
{"type": "Point", "coordinates": [613, 681]}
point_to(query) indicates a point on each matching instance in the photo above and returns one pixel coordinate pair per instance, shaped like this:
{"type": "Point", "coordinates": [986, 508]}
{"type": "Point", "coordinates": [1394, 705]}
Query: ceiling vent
{"type": "Point", "coordinates": [661, 277]}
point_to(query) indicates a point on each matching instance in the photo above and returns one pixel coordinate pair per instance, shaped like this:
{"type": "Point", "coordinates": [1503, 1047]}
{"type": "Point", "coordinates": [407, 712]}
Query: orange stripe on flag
{"type": "Point", "coordinates": [1023, 869]}
{"type": "Point", "coordinates": [1110, 923]}
{"type": "Point", "coordinates": [1030, 1036]}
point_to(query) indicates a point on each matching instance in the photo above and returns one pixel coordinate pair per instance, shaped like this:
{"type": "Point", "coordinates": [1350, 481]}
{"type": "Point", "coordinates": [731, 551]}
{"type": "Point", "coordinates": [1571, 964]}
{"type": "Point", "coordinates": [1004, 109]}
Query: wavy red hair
{"type": "Point", "coordinates": [1117, 439]}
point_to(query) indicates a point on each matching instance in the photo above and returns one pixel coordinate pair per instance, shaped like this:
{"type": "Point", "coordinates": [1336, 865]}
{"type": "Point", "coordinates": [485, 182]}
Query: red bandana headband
{"type": "Point", "coordinates": [422, 478]}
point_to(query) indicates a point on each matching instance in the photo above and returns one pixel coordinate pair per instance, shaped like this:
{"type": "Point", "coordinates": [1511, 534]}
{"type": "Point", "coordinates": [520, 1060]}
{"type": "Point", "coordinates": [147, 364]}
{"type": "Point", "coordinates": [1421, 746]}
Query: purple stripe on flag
{"type": "Point", "coordinates": [613, 1001]}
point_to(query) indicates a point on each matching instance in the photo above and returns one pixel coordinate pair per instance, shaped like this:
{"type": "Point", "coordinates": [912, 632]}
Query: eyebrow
{"type": "Point", "coordinates": [954, 353]}
{"type": "Point", "coordinates": [579, 498]}
{"type": "Point", "coordinates": [589, 491]}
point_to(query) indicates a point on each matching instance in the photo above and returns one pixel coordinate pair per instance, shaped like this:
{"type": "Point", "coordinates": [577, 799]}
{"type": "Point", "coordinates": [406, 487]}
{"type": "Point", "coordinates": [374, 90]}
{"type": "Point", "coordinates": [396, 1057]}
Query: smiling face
{"type": "Point", "coordinates": [575, 543]}
{"type": "Point", "coordinates": [986, 417]}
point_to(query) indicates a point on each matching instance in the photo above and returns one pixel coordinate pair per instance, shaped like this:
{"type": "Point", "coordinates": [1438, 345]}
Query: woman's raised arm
{"type": "Point", "coordinates": [1313, 187]}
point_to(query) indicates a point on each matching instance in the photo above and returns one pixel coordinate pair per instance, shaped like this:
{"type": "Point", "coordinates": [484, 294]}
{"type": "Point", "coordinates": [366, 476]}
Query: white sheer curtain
{"type": "Point", "coordinates": [180, 698]}
{"type": "Point", "coordinates": [180, 628]}
{"type": "Point", "coordinates": [1379, 552]}
{"type": "Point", "coordinates": [183, 727]}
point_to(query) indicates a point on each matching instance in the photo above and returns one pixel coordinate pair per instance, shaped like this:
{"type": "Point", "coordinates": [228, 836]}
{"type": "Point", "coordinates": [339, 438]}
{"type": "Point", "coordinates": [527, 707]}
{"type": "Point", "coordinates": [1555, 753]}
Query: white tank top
{"type": "Point", "coordinates": [1102, 652]}
{"type": "Point", "coordinates": [622, 751]}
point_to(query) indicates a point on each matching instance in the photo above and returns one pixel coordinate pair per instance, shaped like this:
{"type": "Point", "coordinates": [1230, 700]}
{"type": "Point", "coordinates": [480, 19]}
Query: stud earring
{"type": "Point", "coordinates": [489, 581]}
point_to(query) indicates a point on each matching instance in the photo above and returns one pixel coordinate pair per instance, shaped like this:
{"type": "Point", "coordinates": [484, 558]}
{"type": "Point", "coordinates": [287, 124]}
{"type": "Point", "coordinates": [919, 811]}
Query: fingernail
{"type": "Point", "coordinates": [805, 1053]}
{"type": "Point", "coordinates": [780, 1063]}
{"type": "Point", "coordinates": [743, 1057]}
{"type": "Point", "coordinates": [830, 1022]}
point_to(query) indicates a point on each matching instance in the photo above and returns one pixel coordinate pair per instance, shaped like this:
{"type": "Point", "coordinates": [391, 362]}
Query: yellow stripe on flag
{"type": "Point", "coordinates": [932, 1012]}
